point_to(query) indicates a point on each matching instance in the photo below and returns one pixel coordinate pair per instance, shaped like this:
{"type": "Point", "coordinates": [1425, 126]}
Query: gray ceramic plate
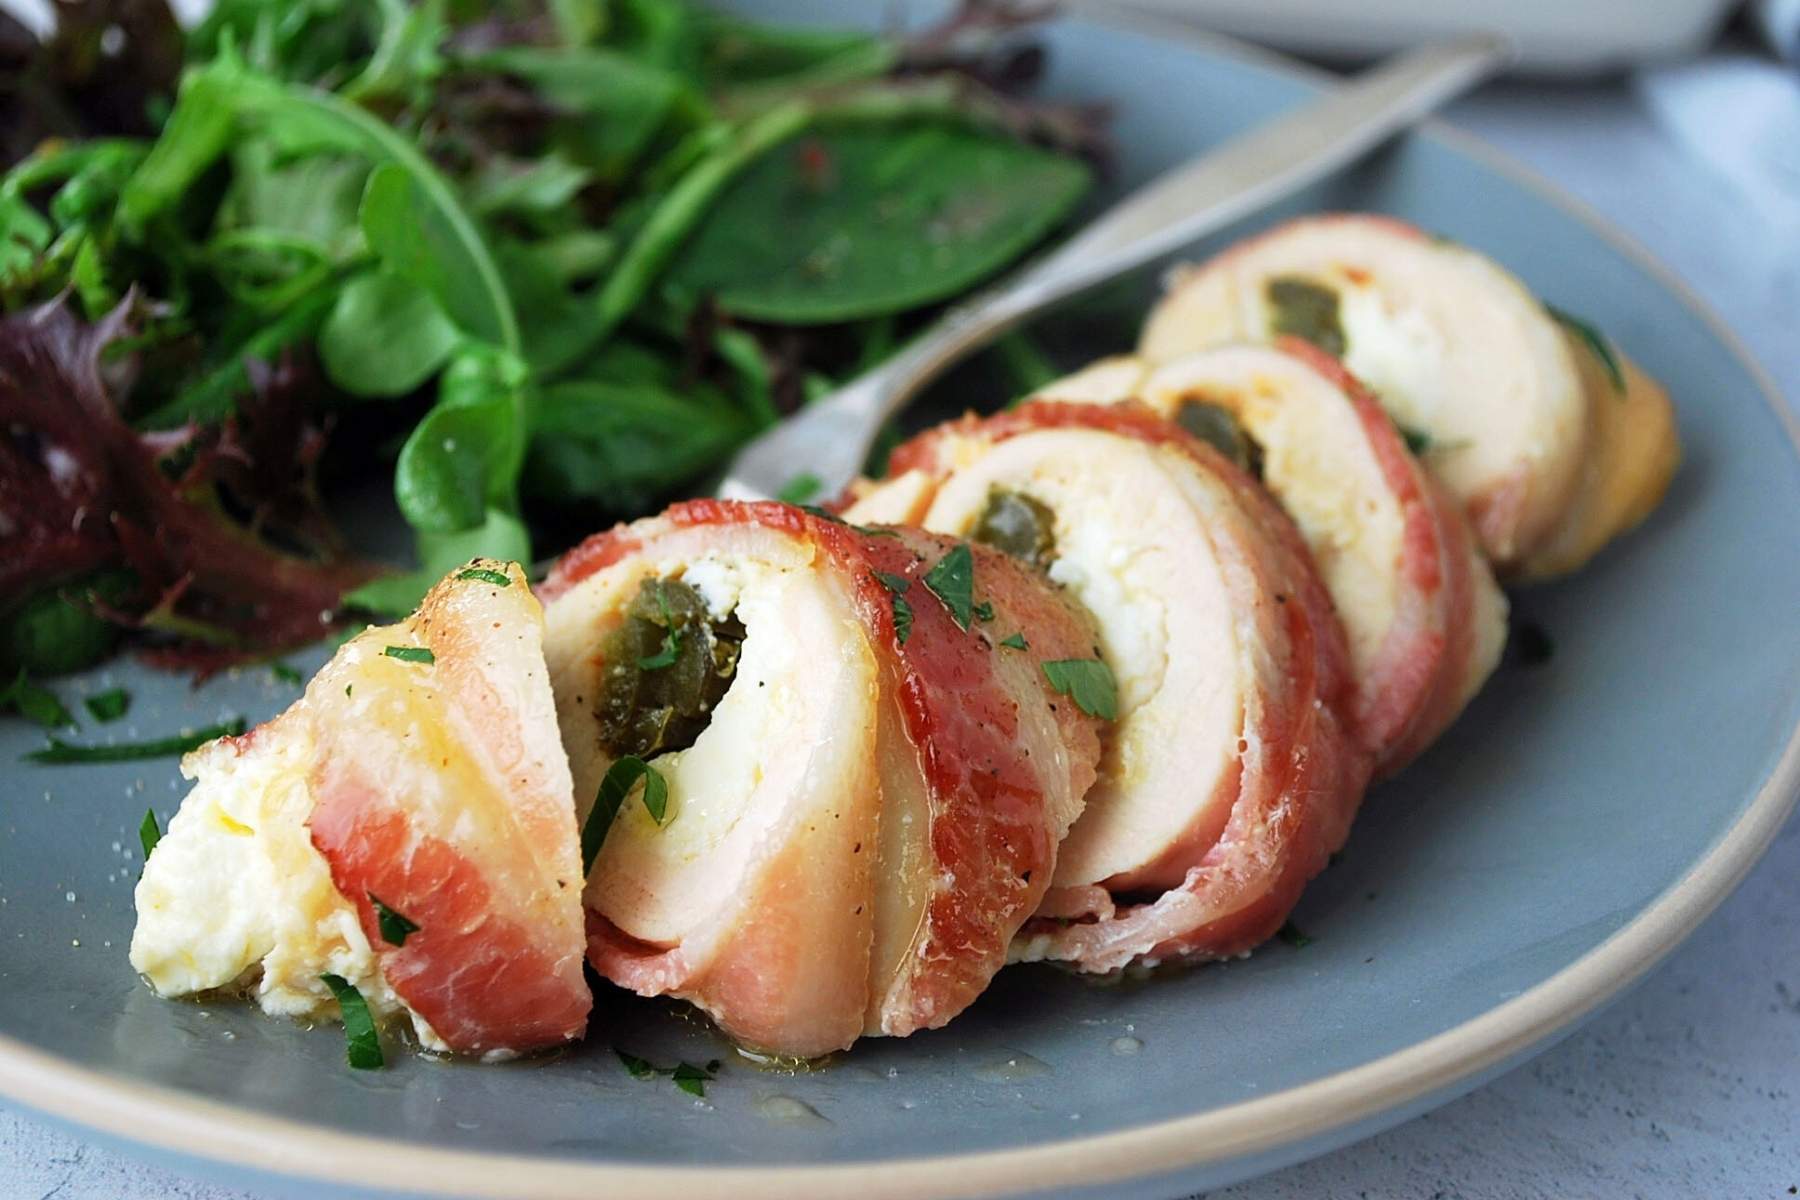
{"type": "Point", "coordinates": [1578, 821]}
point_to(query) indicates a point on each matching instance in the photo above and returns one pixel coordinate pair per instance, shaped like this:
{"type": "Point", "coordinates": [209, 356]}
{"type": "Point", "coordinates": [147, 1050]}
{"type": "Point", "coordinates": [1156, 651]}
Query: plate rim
{"type": "Point", "coordinates": [182, 1124]}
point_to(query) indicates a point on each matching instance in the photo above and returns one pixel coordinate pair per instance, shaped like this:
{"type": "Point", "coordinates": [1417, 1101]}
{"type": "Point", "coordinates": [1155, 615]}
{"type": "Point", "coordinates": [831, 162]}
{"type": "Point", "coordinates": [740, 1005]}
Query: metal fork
{"type": "Point", "coordinates": [830, 439]}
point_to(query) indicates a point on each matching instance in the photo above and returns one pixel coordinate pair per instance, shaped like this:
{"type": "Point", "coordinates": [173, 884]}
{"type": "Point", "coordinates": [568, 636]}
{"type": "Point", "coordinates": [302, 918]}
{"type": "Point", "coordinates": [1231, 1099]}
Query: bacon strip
{"type": "Point", "coordinates": [1300, 769]}
{"type": "Point", "coordinates": [948, 822]}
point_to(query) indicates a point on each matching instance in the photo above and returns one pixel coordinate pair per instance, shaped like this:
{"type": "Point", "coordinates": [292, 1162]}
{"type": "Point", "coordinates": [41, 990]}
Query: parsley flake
{"type": "Point", "coordinates": [1290, 933]}
{"type": "Point", "coordinates": [903, 619]}
{"type": "Point", "coordinates": [109, 705]}
{"type": "Point", "coordinates": [362, 1043]}
{"type": "Point", "coordinates": [953, 582]}
{"type": "Point", "coordinates": [621, 777]}
{"type": "Point", "coordinates": [1417, 440]}
{"type": "Point", "coordinates": [688, 1077]}
{"type": "Point", "coordinates": [36, 703]}
{"type": "Point", "coordinates": [483, 575]}
{"type": "Point", "coordinates": [671, 643]}
{"type": "Point", "coordinates": [394, 926]}
{"type": "Point", "coordinates": [691, 1079]}
{"type": "Point", "coordinates": [984, 611]}
{"type": "Point", "coordinates": [149, 833]}
{"type": "Point", "coordinates": [284, 673]}
{"type": "Point", "coordinates": [1088, 682]}
{"type": "Point", "coordinates": [1596, 343]}
{"type": "Point", "coordinates": [800, 488]}
{"type": "Point", "coordinates": [896, 584]}
{"type": "Point", "coordinates": [1015, 642]}
{"type": "Point", "coordinates": [637, 1068]}
{"type": "Point", "coordinates": [413, 654]}
{"type": "Point", "coordinates": [59, 751]}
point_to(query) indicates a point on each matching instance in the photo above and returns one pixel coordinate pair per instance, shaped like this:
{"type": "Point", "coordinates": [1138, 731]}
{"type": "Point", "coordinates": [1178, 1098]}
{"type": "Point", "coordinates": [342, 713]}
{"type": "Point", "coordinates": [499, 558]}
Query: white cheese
{"type": "Point", "coordinates": [235, 897]}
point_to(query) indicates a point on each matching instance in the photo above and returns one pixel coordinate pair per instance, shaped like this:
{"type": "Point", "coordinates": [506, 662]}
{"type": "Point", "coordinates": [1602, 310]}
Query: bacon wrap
{"type": "Point", "coordinates": [1424, 651]}
{"type": "Point", "coordinates": [914, 931]}
{"type": "Point", "coordinates": [440, 789]}
{"type": "Point", "coordinates": [1439, 618]}
{"type": "Point", "coordinates": [1300, 770]}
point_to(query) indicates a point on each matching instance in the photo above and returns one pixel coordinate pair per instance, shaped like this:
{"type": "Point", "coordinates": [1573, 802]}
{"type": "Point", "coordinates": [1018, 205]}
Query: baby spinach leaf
{"type": "Point", "coordinates": [197, 132]}
{"type": "Point", "coordinates": [623, 446]}
{"type": "Point", "coordinates": [409, 213]}
{"type": "Point", "coordinates": [312, 199]}
{"type": "Point", "coordinates": [385, 336]}
{"type": "Point", "coordinates": [406, 54]}
{"type": "Point", "coordinates": [556, 323]}
{"type": "Point", "coordinates": [57, 630]}
{"type": "Point", "coordinates": [683, 206]}
{"type": "Point", "coordinates": [36, 703]}
{"type": "Point", "coordinates": [537, 186]}
{"type": "Point", "coordinates": [500, 535]}
{"type": "Point", "coordinates": [464, 457]}
{"type": "Point", "coordinates": [742, 54]}
{"type": "Point", "coordinates": [423, 242]}
{"type": "Point", "coordinates": [615, 104]}
{"type": "Point", "coordinates": [874, 220]}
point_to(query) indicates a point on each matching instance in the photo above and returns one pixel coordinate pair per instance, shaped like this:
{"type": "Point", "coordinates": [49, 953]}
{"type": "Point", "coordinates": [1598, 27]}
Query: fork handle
{"type": "Point", "coordinates": [831, 439]}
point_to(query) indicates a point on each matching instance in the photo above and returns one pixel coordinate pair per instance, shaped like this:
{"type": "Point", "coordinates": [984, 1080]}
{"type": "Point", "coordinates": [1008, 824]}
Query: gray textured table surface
{"type": "Point", "coordinates": [1690, 1086]}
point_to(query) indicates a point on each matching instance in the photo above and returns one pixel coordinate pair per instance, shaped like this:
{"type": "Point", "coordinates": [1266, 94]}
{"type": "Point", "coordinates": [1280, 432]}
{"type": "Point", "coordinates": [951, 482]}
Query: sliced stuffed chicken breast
{"type": "Point", "coordinates": [1424, 619]}
{"type": "Point", "coordinates": [862, 793]}
{"type": "Point", "coordinates": [407, 825]}
{"type": "Point", "coordinates": [1229, 773]}
{"type": "Point", "coordinates": [1500, 388]}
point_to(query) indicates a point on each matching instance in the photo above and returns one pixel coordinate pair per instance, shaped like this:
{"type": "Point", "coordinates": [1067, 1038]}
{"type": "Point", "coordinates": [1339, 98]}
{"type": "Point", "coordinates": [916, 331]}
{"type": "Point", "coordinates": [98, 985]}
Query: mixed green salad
{"type": "Point", "coordinates": [541, 264]}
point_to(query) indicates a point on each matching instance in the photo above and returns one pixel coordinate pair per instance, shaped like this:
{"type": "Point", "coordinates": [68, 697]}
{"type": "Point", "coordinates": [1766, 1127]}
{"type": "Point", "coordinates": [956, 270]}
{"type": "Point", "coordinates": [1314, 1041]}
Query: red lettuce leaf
{"type": "Point", "coordinates": [220, 526]}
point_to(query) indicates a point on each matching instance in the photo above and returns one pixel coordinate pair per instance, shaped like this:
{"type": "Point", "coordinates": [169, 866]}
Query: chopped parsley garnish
{"type": "Point", "coordinates": [394, 926]}
{"type": "Point", "coordinates": [686, 1076]}
{"type": "Point", "coordinates": [362, 1043]}
{"type": "Point", "coordinates": [903, 613]}
{"type": "Point", "coordinates": [984, 611]}
{"type": "Point", "coordinates": [1087, 681]}
{"type": "Point", "coordinates": [348, 689]}
{"type": "Point", "coordinates": [691, 1079]}
{"type": "Point", "coordinates": [1307, 310]}
{"type": "Point", "coordinates": [638, 1068]}
{"type": "Point", "coordinates": [1417, 440]}
{"type": "Point", "coordinates": [1290, 933]}
{"type": "Point", "coordinates": [109, 705]}
{"type": "Point", "coordinates": [827, 515]}
{"type": "Point", "coordinates": [671, 642]}
{"type": "Point", "coordinates": [953, 582]}
{"type": "Point", "coordinates": [36, 703]}
{"type": "Point", "coordinates": [149, 833]}
{"type": "Point", "coordinates": [800, 488]}
{"type": "Point", "coordinates": [621, 777]}
{"type": "Point", "coordinates": [416, 654]}
{"type": "Point", "coordinates": [283, 673]}
{"type": "Point", "coordinates": [483, 575]}
{"type": "Point", "coordinates": [61, 752]}
{"type": "Point", "coordinates": [1530, 645]}
{"type": "Point", "coordinates": [1596, 343]}
{"type": "Point", "coordinates": [1015, 642]}
{"type": "Point", "coordinates": [903, 619]}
